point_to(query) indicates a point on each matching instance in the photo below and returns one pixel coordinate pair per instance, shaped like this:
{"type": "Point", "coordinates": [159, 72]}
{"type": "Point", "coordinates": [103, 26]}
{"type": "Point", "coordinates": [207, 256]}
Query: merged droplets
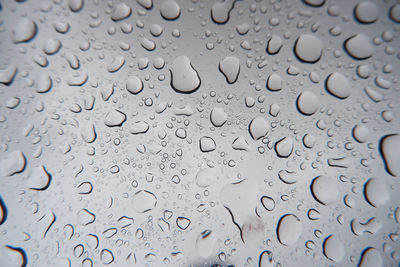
{"type": "Point", "coordinates": [184, 78]}
{"type": "Point", "coordinates": [308, 48]}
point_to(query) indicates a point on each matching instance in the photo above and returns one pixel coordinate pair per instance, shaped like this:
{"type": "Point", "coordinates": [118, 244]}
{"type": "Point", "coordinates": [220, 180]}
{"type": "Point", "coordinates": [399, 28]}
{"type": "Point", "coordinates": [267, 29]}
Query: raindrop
{"type": "Point", "coordinates": [230, 67]}
{"type": "Point", "coordinates": [324, 189]}
{"type": "Point", "coordinates": [334, 248]}
{"type": "Point", "coordinates": [389, 147]}
{"type": "Point", "coordinates": [183, 222]}
{"type": "Point", "coordinates": [24, 31]}
{"type": "Point", "coordinates": [289, 229]}
{"type": "Point", "coordinates": [308, 48]}
{"type": "Point", "coordinates": [170, 10]}
{"type": "Point", "coordinates": [184, 78]}
{"type": "Point", "coordinates": [359, 46]}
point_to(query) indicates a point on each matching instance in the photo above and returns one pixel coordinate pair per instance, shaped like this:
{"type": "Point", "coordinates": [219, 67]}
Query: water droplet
{"type": "Point", "coordinates": [361, 133]}
{"type": "Point", "coordinates": [258, 128]}
{"type": "Point", "coordinates": [324, 189]}
{"type": "Point", "coordinates": [170, 10]}
{"type": "Point", "coordinates": [314, 3]}
{"type": "Point", "coordinates": [333, 248]}
{"type": "Point", "coordinates": [268, 203]}
{"type": "Point", "coordinates": [183, 222]}
{"type": "Point", "coordinates": [359, 46]}
{"type": "Point", "coordinates": [51, 46]}
{"type": "Point", "coordinates": [24, 31]}
{"type": "Point", "coordinates": [230, 67]}
{"type": "Point", "coordinates": [389, 147]}
{"type": "Point", "coordinates": [44, 83]}
{"type": "Point", "coordinates": [139, 127]}
{"type": "Point", "coordinates": [366, 12]}
{"type": "Point", "coordinates": [375, 192]}
{"type": "Point", "coordinates": [207, 144]}
{"type": "Point", "coordinates": [284, 147]}
{"type": "Point", "coordinates": [274, 82]}
{"type": "Point", "coordinates": [218, 117]}
{"type": "Point", "coordinates": [370, 257]}
{"type": "Point", "coordinates": [114, 118]}
{"type": "Point", "coordinates": [220, 11]}
{"type": "Point", "coordinates": [116, 64]}
{"type": "Point", "coordinates": [13, 164]}
{"type": "Point", "coordinates": [206, 177]}
{"type": "Point", "coordinates": [338, 85]}
{"type": "Point", "coordinates": [75, 5]}
{"type": "Point", "coordinates": [307, 103]}
{"type": "Point", "coordinates": [120, 12]}
{"type": "Point", "coordinates": [184, 78]}
{"type": "Point", "coordinates": [143, 201]}
{"type": "Point", "coordinates": [39, 179]}
{"type": "Point", "coordinates": [205, 243]}
{"type": "Point", "coordinates": [308, 48]}
{"type": "Point", "coordinates": [7, 75]}
{"type": "Point", "coordinates": [274, 44]}
{"type": "Point", "coordinates": [289, 229]}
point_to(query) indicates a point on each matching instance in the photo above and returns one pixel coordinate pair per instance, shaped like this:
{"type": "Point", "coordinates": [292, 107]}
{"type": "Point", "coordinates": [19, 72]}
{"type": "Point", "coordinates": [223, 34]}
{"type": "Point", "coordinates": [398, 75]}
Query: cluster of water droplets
{"type": "Point", "coordinates": [199, 133]}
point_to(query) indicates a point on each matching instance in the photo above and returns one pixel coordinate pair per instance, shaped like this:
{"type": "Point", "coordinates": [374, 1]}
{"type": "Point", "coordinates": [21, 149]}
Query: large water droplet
{"type": "Point", "coordinates": [308, 48]}
{"type": "Point", "coordinates": [389, 147]}
{"type": "Point", "coordinates": [289, 229]}
{"type": "Point", "coordinates": [184, 78]}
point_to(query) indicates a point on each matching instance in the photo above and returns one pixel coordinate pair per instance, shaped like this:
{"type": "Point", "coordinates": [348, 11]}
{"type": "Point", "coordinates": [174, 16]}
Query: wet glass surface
{"type": "Point", "coordinates": [199, 133]}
